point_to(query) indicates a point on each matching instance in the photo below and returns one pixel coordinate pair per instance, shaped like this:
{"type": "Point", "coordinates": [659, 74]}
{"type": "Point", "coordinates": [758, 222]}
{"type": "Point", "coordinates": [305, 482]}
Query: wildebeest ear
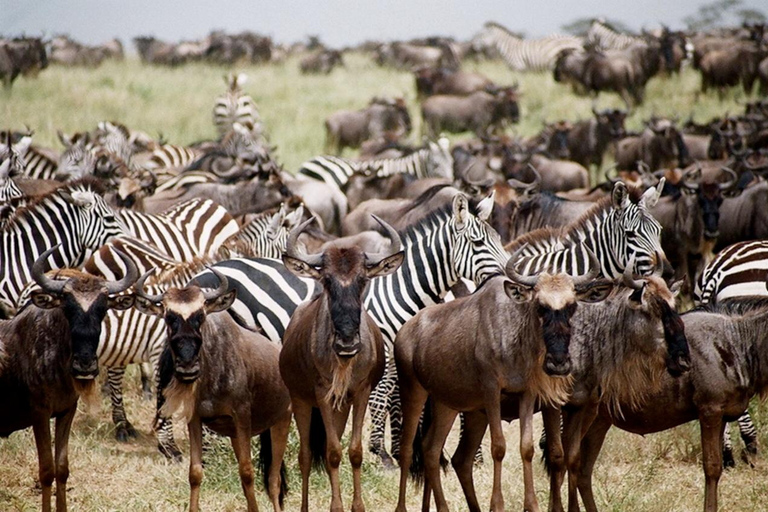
{"type": "Point", "coordinates": [485, 207]}
{"type": "Point", "coordinates": [620, 195]}
{"type": "Point", "coordinates": [677, 287]}
{"type": "Point", "coordinates": [517, 292]}
{"type": "Point", "coordinates": [596, 291]}
{"type": "Point", "coordinates": [460, 210]}
{"type": "Point", "coordinates": [386, 266]}
{"type": "Point", "coordinates": [65, 139]}
{"type": "Point", "coordinates": [147, 306]}
{"type": "Point", "coordinates": [121, 302]}
{"type": "Point", "coordinates": [45, 300]}
{"type": "Point", "coordinates": [301, 268]}
{"type": "Point", "coordinates": [220, 303]}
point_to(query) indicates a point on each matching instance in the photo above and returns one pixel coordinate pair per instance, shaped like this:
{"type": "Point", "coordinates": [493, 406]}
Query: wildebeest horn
{"type": "Point", "coordinates": [223, 285]}
{"type": "Point", "coordinates": [38, 273]}
{"type": "Point", "coordinates": [529, 281]}
{"type": "Point", "coordinates": [131, 274]}
{"type": "Point", "coordinates": [628, 278]}
{"type": "Point", "coordinates": [395, 243]}
{"type": "Point", "coordinates": [689, 175]}
{"type": "Point", "coordinates": [313, 260]}
{"type": "Point", "coordinates": [728, 185]}
{"type": "Point", "coordinates": [594, 270]}
{"type": "Point", "coordinates": [139, 289]}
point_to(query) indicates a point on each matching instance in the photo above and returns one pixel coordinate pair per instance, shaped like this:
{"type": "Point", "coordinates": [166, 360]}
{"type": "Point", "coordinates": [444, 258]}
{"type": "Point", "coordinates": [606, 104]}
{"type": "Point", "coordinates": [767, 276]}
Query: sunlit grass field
{"type": "Point", "coordinates": [658, 473]}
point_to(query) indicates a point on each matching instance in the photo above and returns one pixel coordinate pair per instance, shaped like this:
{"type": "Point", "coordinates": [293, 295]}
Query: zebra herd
{"type": "Point", "coordinates": [117, 203]}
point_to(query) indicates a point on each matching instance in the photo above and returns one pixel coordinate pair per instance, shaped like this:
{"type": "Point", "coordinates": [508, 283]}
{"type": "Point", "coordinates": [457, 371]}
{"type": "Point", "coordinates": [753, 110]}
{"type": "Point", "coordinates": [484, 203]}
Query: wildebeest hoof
{"type": "Point", "coordinates": [125, 431]}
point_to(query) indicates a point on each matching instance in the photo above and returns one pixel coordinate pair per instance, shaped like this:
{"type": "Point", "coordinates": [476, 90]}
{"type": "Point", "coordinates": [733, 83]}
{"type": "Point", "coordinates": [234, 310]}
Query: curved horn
{"type": "Point", "coordinates": [131, 274]}
{"type": "Point", "coordinates": [732, 182]}
{"type": "Point", "coordinates": [395, 244]}
{"type": "Point", "coordinates": [628, 278]}
{"type": "Point", "coordinates": [529, 281]}
{"type": "Point", "coordinates": [139, 289]}
{"type": "Point", "coordinates": [313, 260]}
{"type": "Point", "coordinates": [38, 273]}
{"type": "Point", "coordinates": [223, 285]}
{"type": "Point", "coordinates": [594, 270]}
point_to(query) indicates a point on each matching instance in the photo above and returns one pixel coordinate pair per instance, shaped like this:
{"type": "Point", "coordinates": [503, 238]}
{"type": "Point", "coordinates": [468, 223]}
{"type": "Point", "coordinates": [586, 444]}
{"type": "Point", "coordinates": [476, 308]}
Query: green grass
{"type": "Point", "coordinates": [659, 472]}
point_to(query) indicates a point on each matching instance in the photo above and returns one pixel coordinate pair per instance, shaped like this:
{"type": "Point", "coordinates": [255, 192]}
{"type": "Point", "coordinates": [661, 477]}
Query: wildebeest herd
{"type": "Point", "coordinates": [491, 279]}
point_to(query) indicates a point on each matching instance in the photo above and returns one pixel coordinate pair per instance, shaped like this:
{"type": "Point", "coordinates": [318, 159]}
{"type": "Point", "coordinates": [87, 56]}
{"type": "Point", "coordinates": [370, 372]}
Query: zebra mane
{"type": "Point", "coordinates": [736, 306]}
{"type": "Point", "coordinates": [499, 26]}
{"type": "Point", "coordinates": [86, 183]}
{"type": "Point", "coordinates": [549, 238]}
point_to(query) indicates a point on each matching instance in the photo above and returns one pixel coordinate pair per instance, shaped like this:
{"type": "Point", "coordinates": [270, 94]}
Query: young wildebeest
{"type": "Point", "coordinates": [479, 112]}
{"type": "Point", "coordinates": [729, 358]}
{"type": "Point", "coordinates": [51, 360]}
{"type": "Point", "coordinates": [333, 355]}
{"type": "Point", "coordinates": [510, 336]}
{"type": "Point", "coordinates": [224, 377]}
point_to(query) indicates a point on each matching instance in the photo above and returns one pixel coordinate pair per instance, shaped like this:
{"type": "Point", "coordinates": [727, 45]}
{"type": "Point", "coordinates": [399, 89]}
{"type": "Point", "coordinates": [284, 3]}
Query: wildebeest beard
{"type": "Point", "coordinates": [346, 306]}
{"type": "Point", "coordinates": [556, 331]}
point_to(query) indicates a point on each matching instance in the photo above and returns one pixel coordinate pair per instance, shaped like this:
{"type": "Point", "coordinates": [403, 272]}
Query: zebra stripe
{"type": "Point", "coordinates": [234, 106]}
{"type": "Point", "coordinates": [73, 217]}
{"type": "Point", "coordinates": [528, 54]}
{"type": "Point", "coordinates": [172, 156]}
{"type": "Point", "coordinates": [736, 271]}
{"type": "Point", "coordinates": [185, 179]}
{"type": "Point", "coordinates": [600, 35]}
{"type": "Point", "coordinates": [40, 164]}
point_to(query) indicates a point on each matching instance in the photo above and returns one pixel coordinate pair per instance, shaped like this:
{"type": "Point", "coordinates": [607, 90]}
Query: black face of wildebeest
{"type": "Point", "coordinates": [556, 331]}
{"type": "Point", "coordinates": [710, 199]}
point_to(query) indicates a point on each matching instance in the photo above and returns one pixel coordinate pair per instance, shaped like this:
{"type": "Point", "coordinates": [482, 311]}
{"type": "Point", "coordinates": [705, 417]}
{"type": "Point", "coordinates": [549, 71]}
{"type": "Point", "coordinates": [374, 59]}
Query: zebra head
{"type": "Point", "coordinates": [477, 252]}
{"type": "Point", "coordinates": [637, 232]}
{"type": "Point", "coordinates": [96, 218]}
{"type": "Point", "coordinates": [440, 159]}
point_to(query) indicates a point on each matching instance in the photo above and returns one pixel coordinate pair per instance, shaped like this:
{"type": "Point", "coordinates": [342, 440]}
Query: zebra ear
{"type": "Point", "coordinates": [620, 195]}
{"type": "Point", "coordinates": [485, 207]}
{"type": "Point", "coordinates": [460, 210]}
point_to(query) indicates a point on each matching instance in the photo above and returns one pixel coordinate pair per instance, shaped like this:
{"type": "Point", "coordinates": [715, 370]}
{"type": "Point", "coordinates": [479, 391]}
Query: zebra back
{"type": "Point", "coordinates": [234, 106]}
{"type": "Point", "coordinates": [736, 271]}
{"type": "Point", "coordinates": [264, 235]}
{"type": "Point", "coordinates": [601, 36]}
{"type": "Point", "coordinates": [529, 54]}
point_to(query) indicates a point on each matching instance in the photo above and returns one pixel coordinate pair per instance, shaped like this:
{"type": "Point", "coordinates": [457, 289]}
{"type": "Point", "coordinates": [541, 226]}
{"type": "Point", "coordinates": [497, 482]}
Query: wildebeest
{"type": "Point", "coordinates": [349, 128]}
{"type": "Point", "coordinates": [430, 81]}
{"type": "Point", "coordinates": [659, 146]}
{"type": "Point", "coordinates": [333, 355]}
{"type": "Point", "coordinates": [409, 56]}
{"type": "Point", "coordinates": [479, 112]}
{"type": "Point", "coordinates": [589, 139]}
{"type": "Point", "coordinates": [224, 377]}
{"type": "Point", "coordinates": [50, 360]}
{"type": "Point", "coordinates": [321, 62]}
{"type": "Point", "coordinates": [729, 66]}
{"type": "Point", "coordinates": [21, 56]}
{"type": "Point", "coordinates": [510, 336]}
{"type": "Point", "coordinates": [727, 368]}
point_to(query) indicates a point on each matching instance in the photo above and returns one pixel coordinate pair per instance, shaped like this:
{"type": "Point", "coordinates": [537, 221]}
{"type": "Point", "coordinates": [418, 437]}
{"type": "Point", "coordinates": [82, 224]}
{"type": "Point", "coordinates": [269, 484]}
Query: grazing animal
{"type": "Point", "coordinates": [430, 81]}
{"type": "Point", "coordinates": [226, 378]}
{"type": "Point", "coordinates": [527, 54]}
{"type": "Point", "coordinates": [321, 62]}
{"type": "Point", "coordinates": [21, 56]}
{"type": "Point", "coordinates": [589, 139]}
{"type": "Point", "coordinates": [510, 336]}
{"type": "Point", "coordinates": [234, 106]}
{"type": "Point", "coordinates": [659, 146]}
{"type": "Point", "coordinates": [50, 360]}
{"type": "Point", "coordinates": [350, 128]}
{"type": "Point", "coordinates": [480, 112]}
{"type": "Point", "coordinates": [602, 35]}
{"type": "Point", "coordinates": [333, 355]}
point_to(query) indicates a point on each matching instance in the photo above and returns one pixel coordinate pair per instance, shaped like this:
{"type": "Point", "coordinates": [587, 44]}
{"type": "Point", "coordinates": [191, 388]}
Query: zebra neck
{"type": "Point", "coordinates": [415, 164]}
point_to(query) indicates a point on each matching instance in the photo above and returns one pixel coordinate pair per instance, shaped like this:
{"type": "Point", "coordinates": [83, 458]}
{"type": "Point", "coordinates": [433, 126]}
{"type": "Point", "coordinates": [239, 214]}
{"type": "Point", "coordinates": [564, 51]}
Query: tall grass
{"type": "Point", "coordinates": [659, 472]}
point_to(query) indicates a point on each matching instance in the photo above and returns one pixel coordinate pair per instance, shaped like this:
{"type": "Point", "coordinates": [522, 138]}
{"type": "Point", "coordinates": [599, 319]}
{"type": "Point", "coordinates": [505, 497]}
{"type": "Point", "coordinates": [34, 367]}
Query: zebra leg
{"type": "Point", "coordinates": [728, 461]}
{"type": "Point", "coordinates": [379, 405]}
{"type": "Point", "coordinates": [164, 426]}
{"type": "Point", "coordinates": [749, 436]}
{"type": "Point", "coordinates": [478, 461]}
{"type": "Point", "coordinates": [123, 428]}
{"type": "Point", "coordinates": [146, 380]}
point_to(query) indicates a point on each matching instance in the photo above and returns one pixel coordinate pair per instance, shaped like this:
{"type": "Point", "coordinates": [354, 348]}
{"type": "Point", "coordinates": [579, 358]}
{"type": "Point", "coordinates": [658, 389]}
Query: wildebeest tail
{"type": "Point", "coordinates": [317, 439]}
{"type": "Point", "coordinates": [265, 462]}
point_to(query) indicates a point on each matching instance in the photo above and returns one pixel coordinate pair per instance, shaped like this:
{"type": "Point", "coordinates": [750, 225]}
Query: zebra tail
{"type": "Point", "coordinates": [265, 462]}
{"type": "Point", "coordinates": [417, 470]}
{"type": "Point", "coordinates": [545, 460]}
{"type": "Point", "coordinates": [317, 439]}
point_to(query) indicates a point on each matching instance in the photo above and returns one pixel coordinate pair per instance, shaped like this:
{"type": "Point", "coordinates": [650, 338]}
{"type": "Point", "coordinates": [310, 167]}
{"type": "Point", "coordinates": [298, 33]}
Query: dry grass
{"type": "Point", "coordinates": [660, 472]}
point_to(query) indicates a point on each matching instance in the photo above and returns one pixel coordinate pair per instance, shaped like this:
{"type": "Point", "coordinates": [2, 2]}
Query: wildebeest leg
{"type": "Point", "coordinates": [492, 401]}
{"type": "Point", "coordinates": [359, 405]}
{"type": "Point", "coordinates": [195, 429]}
{"type": "Point", "coordinates": [590, 449]}
{"type": "Point", "coordinates": [712, 449]}
{"type": "Point", "coordinates": [555, 456]}
{"type": "Point", "coordinates": [413, 397]}
{"type": "Point", "coordinates": [241, 445]}
{"type": "Point", "coordinates": [302, 412]}
{"type": "Point", "coordinates": [475, 425]}
{"type": "Point", "coordinates": [61, 443]}
{"type": "Point", "coordinates": [527, 402]}
{"type": "Point", "coordinates": [123, 428]}
{"type": "Point", "coordinates": [279, 434]}
{"type": "Point", "coordinates": [334, 422]}
{"type": "Point", "coordinates": [379, 402]}
{"type": "Point", "coordinates": [46, 468]}
{"type": "Point", "coordinates": [575, 423]}
{"type": "Point", "coordinates": [443, 418]}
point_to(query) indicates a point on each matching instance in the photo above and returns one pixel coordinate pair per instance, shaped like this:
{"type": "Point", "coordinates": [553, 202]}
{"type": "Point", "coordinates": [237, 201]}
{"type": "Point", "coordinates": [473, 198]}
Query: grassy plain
{"type": "Point", "coordinates": [658, 473]}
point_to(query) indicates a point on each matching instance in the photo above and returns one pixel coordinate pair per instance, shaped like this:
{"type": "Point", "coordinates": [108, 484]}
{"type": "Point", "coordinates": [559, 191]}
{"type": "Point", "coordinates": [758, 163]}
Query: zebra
{"type": "Point", "coordinates": [617, 230]}
{"type": "Point", "coordinates": [38, 163]}
{"type": "Point", "coordinates": [452, 242]}
{"type": "Point", "coordinates": [528, 54]}
{"type": "Point", "coordinates": [739, 270]}
{"type": "Point", "coordinates": [234, 106]}
{"type": "Point", "coordinates": [434, 160]}
{"type": "Point", "coordinates": [601, 35]}
{"type": "Point", "coordinates": [11, 163]}
{"type": "Point", "coordinates": [74, 217]}
{"type": "Point", "coordinates": [265, 234]}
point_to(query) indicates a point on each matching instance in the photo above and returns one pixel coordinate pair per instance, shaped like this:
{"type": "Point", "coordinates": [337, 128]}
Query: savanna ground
{"type": "Point", "coordinates": [661, 472]}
